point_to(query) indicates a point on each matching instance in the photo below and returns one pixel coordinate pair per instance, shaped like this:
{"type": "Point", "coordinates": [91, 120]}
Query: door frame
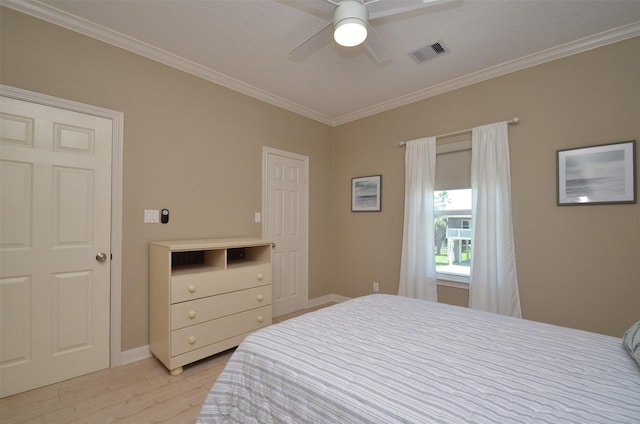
{"type": "Point", "coordinates": [266, 151]}
{"type": "Point", "coordinates": [117, 119]}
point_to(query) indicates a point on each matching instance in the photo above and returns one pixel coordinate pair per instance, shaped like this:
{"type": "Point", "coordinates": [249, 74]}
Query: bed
{"type": "Point", "coordinates": [390, 359]}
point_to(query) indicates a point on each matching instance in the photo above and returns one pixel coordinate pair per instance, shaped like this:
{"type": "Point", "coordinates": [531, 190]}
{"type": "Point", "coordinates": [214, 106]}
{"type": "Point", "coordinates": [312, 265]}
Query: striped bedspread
{"type": "Point", "coordinates": [389, 359]}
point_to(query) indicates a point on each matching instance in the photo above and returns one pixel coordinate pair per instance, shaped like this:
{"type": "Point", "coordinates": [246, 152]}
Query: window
{"type": "Point", "coordinates": [452, 223]}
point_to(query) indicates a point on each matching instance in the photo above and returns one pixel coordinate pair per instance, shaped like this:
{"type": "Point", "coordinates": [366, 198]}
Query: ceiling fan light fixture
{"type": "Point", "coordinates": [350, 23]}
{"type": "Point", "coordinates": [350, 32]}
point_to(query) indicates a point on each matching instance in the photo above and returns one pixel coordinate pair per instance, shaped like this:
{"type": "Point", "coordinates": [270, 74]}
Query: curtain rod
{"type": "Point", "coordinates": [514, 121]}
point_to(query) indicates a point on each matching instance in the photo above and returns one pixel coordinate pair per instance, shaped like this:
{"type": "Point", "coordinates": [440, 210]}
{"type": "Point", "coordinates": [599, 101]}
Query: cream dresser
{"type": "Point", "coordinates": [206, 296]}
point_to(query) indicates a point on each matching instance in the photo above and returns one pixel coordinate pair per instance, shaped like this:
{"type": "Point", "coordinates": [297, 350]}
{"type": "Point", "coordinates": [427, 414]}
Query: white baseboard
{"type": "Point", "coordinates": [135, 355]}
{"type": "Point", "coordinates": [330, 298]}
{"type": "Point", "coordinates": [143, 352]}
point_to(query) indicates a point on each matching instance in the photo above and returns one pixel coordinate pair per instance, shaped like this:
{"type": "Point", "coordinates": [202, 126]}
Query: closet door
{"type": "Point", "coordinates": [285, 206]}
{"type": "Point", "coordinates": [55, 219]}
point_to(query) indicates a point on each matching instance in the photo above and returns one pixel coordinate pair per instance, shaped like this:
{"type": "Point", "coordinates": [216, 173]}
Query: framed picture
{"type": "Point", "coordinates": [365, 194]}
{"type": "Point", "coordinates": [597, 175]}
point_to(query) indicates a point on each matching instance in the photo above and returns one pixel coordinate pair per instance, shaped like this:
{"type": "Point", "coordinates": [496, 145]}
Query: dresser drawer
{"type": "Point", "coordinates": [195, 286]}
{"type": "Point", "coordinates": [200, 335]}
{"type": "Point", "coordinates": [200, 310]}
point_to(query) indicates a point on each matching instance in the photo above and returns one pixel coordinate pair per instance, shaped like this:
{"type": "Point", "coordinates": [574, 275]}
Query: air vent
{"type": "Point", "coordinates": [429, 52]}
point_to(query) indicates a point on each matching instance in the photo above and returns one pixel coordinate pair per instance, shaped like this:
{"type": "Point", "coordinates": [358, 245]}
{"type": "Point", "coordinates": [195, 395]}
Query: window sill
{"type": "Point", "coordinates": [453, 280]}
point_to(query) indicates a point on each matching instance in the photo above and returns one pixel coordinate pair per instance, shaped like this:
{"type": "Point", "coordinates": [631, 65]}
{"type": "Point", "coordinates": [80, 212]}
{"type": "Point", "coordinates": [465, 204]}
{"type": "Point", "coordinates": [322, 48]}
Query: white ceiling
{"type": "Point", "coordinates": [244, 44]}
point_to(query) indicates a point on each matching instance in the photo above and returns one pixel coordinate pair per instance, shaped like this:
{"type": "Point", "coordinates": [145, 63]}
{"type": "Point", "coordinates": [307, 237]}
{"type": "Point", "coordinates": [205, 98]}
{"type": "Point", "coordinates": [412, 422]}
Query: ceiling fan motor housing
{"type": "Point", "coordinates": [350, 12]}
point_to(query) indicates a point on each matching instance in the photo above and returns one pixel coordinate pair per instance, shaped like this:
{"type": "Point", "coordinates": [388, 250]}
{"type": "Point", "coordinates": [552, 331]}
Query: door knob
{"type": "Point", "coordinates": [101, 257]}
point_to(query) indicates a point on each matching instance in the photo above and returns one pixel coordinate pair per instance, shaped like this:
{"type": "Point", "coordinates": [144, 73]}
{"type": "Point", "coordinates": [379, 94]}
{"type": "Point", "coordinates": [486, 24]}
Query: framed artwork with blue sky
{"type": "Point", "coordinates": [602, 174]}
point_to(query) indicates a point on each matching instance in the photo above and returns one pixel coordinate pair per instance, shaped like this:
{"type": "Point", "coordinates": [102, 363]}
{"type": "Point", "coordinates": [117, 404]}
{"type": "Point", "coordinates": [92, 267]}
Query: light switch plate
{"type": "Point", "coordinates": [258, 217]}
{"type": "Point", "coordinates": [151, 216]}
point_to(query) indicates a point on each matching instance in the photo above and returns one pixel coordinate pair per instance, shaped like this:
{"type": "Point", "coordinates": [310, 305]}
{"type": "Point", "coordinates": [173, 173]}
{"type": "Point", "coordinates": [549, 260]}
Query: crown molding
{"type": "Point", "coordinates": [57, 17]}
{"type": "Point", "coordinates": [559, 52]}
{"type": "Point", "coordinates": [85, 27]}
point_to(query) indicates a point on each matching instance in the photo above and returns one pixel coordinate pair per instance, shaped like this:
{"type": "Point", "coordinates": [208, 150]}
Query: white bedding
{"type": "Point", "coordinates": [390, 359]}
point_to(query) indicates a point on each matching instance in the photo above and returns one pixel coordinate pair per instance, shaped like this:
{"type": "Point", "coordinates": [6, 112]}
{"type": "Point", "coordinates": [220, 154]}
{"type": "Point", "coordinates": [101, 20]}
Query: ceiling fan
{"type": "Point", "coordinates": [351, 24]}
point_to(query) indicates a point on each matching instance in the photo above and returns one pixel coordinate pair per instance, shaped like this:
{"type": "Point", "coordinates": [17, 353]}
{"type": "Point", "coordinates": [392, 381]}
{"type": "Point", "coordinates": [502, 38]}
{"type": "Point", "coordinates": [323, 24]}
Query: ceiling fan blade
{"type": "Point", "coordinates": [320, 8]}
{"type": "Point", "coordinates": [375, 46]}
{"type": "Point", "coordinates": [313, 43]}
{"type": "Point", "coordinates": [380, 9]}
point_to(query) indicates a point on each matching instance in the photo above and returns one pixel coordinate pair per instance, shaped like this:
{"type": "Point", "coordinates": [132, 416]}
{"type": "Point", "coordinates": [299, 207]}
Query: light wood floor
{"type": "Point", "coordinates": [141, 392]}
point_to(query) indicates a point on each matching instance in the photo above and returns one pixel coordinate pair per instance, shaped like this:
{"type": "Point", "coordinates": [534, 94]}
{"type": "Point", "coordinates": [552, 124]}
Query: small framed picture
{"type": "Point", "coordinates": [366, 194]}
{"type": "Point", "coordinates": [601, 174]}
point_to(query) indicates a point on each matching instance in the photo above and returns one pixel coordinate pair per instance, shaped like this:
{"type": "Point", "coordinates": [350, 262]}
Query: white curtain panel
{"type": "Point", "coordinates": [494, 281]}
{"type": "Point", "coordinates": [418, 263]}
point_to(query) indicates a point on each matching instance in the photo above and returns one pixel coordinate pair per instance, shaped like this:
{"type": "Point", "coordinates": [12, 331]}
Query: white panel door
{"type": "Point", "coordinates": [55, 199]}
{"type": "Point", "coordinates": [286, 216]}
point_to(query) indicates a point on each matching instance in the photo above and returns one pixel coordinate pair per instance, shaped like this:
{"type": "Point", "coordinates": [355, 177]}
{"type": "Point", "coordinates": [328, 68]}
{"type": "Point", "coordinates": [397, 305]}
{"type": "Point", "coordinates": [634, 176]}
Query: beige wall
{"type": "Point", "coordinates": [578, 266]}
{"type": "Point", "coordinates": [195, 148]}
{"type": "Point", "coordinates": [189, 145]}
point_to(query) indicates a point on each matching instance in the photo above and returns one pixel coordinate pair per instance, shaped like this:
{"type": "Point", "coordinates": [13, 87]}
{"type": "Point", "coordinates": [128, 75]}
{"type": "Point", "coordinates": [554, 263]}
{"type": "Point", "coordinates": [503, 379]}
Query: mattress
{"type": "Point", "coordinates": [390, 359]}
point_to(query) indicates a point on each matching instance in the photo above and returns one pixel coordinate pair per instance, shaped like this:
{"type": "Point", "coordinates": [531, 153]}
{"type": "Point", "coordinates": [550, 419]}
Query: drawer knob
{"type": "Point", "coordinates": [260, 298]}
{"type": "Point", "coordinates": [192, 339]}
{"type": "Point", "coordinates": [260, 318]}
{"type": "Point", "coordinates": [192, 288]}
{"type": "Point", "coordinates": [260, 277]}
{"type": "Point", "coordinates": [192, 314]}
